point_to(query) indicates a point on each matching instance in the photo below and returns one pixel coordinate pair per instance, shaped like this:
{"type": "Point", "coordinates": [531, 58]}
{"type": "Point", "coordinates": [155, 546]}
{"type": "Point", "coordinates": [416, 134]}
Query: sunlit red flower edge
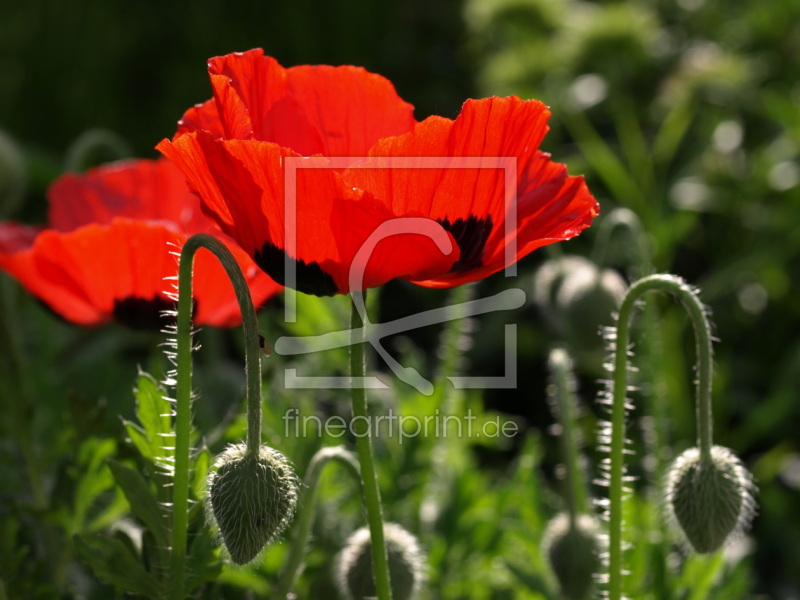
{"type": "Point", "coordinates": [234, 148]}
{"type": "Point", "coordinates": [109, 249]}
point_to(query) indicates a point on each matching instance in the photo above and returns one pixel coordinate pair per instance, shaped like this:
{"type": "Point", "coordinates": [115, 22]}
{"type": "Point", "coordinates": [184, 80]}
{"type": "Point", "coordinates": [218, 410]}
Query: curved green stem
{"type": "Point", "coordinates": [561, 367]}
{"type": "Point", "coordinates": [369, 476]}
{"type": "Point", "coordinates": [297, 552]}
{"type": "Point", "coordinates": [183, 393]}
{"type": "Point", "coordinates": [702, 331]}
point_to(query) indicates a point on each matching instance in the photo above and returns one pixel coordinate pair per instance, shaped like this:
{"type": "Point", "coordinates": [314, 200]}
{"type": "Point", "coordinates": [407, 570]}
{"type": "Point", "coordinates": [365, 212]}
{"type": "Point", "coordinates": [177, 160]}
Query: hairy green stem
{"type": "Point", "coordinates": [702, 331]}
{"type": "Point", "coordinates": [564, 394]}
{"type": "Point", "coordinates": [183, 393]}
{"type": "Point", "coordinates": [366, 459]}
{"type": "Point", "coordinates": [297, 550]}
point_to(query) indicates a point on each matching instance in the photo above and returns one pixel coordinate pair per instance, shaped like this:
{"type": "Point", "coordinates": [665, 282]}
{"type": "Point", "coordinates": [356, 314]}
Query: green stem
{"type": "Point", "coordinates": [183, 393]}
{"type": "Point", "coordinates": [625, 219]}
{"type": "Point", "coordinates": [297, 552]}
{"type": "Point", "coordinates": [447, 449]}
{"type": "Point", "coordinates": [366, 459]}
{"type": "Point", "coordinates": [702, 331]}
{"type": "Point", "coordinates": [20, 411]}
{"type": "Point", "coordinates": [564, 393]}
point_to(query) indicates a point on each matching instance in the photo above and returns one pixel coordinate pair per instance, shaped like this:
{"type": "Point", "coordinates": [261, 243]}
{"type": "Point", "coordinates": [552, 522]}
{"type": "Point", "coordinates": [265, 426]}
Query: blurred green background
{"type": "Point", "coordinates": [686, 112]}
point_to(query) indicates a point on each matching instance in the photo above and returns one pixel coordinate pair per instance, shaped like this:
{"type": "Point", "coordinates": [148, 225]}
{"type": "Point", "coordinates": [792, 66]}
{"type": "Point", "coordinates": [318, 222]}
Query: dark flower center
{"type": "Point", "coordinates": [309, 277]}
{"type": "Point", "coordinates": [471, 235]}
{"type": "Point", "coordinates": [143, 313]}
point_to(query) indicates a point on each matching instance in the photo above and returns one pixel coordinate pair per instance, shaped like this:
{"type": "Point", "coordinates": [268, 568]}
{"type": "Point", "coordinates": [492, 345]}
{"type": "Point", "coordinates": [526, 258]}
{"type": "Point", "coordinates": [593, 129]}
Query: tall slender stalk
{"type": "Point", "coordinates": [702, 331]}
{"type": "Point", "coordinates": [183, 393]}
{"type": "Point", "coordinates": [366, 459]}
{"type": "Point", "coordinates": [564, 396]}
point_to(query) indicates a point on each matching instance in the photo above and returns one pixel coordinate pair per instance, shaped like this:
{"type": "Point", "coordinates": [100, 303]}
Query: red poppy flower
{"type": "Point", "coordinates": [109, 249]}
{"type": "Point", "coordinates": [480, 192]}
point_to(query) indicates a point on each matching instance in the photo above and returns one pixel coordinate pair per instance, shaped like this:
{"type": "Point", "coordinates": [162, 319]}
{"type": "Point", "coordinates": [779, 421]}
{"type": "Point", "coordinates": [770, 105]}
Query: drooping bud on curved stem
{"type": "Point", "coordinates": [571, 543]}
{"type": "Point", "coordinates": [675, 285]}
{"type": "Point", "coordinates": [711, 499]}
{"type": "Point", "coordinates": [562, 397]}
{"type": "Point", "coordinates": [183, 393]}
{"type": "Point", "coordinates": [297, 551]}
{"type": "Point", "coordinates": [250, 499]}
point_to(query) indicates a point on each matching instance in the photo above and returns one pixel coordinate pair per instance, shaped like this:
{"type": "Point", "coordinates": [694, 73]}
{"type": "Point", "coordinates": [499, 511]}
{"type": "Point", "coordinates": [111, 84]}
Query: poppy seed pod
{"type": "Point", "coordinates": [710, 499]}
{"type": "Point", "coordinates": [579, 299]}
{"type": "Point", "coordinates": [250, 499]}
{"type": "Point", "coordinates": [573, 552]}
{"type": "Point", "coordinates": [354, 566]}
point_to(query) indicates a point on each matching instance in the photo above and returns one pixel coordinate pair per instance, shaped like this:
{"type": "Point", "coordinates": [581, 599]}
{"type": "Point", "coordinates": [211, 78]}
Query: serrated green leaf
{"type": "Point", "coordinates": [114, 562]}
{"type": "Point", "coordinates": [152, 410]}
{"type": "Point", "coordinates": [142, 500]}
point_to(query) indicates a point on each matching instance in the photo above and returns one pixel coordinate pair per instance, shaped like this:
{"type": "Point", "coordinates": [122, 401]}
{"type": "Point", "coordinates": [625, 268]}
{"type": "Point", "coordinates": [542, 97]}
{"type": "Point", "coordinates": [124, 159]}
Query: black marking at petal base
{"type": "Point", "coordinates": [471, 236]}
{"type": "Point", "coordinates": [144, 313]}
{"type": "Point", "coordinates": [310, 277]}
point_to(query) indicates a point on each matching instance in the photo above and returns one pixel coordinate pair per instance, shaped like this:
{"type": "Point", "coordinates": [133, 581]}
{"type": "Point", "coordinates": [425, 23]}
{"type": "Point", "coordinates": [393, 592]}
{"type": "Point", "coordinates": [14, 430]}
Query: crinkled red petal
{"type": "Point", "coordinates": [136, 189]}
{"type": "Point", "coordinates": [80, 274]}
{"type": "Point", "coordinates": [243, 186]}
{"type": "Point", "coordinates": [457, 175]}
{"type": "Point", "coordinates": [333, 111]}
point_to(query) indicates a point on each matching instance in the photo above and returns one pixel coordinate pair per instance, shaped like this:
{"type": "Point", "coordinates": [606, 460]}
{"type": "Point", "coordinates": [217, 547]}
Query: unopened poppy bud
{"type": "Point", "coordinates": [354, 567]}
{"type": "Point", "coordinates": [573, 552]}
{"type": "Point", "coordinates": [709, 499]}
{"type": "Point", "coordinates": [579, 299]}
{"type": "Point", "coordinates": [250, 499]}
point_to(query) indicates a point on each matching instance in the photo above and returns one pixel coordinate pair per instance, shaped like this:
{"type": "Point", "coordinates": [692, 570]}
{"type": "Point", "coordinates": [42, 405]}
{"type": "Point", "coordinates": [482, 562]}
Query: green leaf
{"type": "Point", "coordinates": [142, 443]}
{"type": "Point", "coordinates": [142, 500]}
{"type": "Point", "coordinates": [533, 581]}
{"type": "Point", "coordinates": [200, 471]}
{"type": "Point", "coordinates": [154, 412]}
{"type": "Point", "coordinates": [115, 563]}
{"type": "Point", "coordinates": [94, 478]}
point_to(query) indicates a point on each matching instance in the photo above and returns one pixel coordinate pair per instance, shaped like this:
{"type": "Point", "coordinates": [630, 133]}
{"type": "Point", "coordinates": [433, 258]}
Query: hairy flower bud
{"type": "Point", "coordinates": [710, 500]}
{"type": "Point", "coordinates": [354, 567]}
{"type": "Point", "coordinates": [579, 299]}
{"type": "Point", "coordinates": [250, 499]}
{"type": "Point", "coordinates": [573, 553]}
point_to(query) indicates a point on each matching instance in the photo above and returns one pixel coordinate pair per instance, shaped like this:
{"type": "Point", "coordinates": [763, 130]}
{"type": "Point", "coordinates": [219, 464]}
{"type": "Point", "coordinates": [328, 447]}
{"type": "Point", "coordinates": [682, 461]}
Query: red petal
{"type": "Point", "coordinates": [137, 189]}
{"type": "Point", "coordinates": [242, 185]}
{"type": "Point", "coordinates": [80, 274]}
{"type": "Point", "coordinates": [549, 204]}
{"type": "Point", "coordinates": [334, 111]}
{"type": "Point", "coordinates": [15, 237]}
{"type": "Point", "coordinates": [203, 116]}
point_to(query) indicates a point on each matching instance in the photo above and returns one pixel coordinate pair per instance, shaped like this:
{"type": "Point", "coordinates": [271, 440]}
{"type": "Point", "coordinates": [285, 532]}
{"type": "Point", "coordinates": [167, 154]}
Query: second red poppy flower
{"type": "Point", "coordinates": [475, 193]}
